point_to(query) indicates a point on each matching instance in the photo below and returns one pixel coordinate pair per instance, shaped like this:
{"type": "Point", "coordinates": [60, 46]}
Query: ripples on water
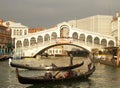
{"type": "Point", "coordinates": [103, 77]}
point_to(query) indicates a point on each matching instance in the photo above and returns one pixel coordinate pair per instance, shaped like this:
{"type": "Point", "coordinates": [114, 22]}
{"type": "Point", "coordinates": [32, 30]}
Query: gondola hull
{"type": "Point", "coordinates": [109, 62]}
{"type": "Point", "coordinates": [43, 80]}
{"type": "Point", "coordinates": [50, 68]}
{"type": "Point", "coordinates": [4, 57]}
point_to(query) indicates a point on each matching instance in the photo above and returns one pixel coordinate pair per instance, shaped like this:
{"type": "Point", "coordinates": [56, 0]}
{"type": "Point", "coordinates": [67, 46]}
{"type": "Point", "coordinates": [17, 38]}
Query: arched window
{"type": "Point", "coordinates": [110, 43]}
{"type": "Point", "coordinates": [54, 35]}
{"type": "Point", "coordinates": [64, 31]}
{"type": "Point", "coordinates": [19, 44]}
{"type": "Point", "coordinates": [39, 39]}
{"type": "Point", "coordinates": [82, 37]}
{"type": "Point", "coordinates": [103, 42]}
{"type": "Point", "coordinates": [25, 32]}
{"type": "Point", "coordinates": [25, 42]}
{"type": "Point", "coordinates": [75, 35]}
{"type": "Point", "coordinates": [20, 32]}
{"type": "Point", "coordinates": [47, 37]}
{"type": "Point", "coordinates": [96, 40]}
{"type": "Point", "coordinates": [32, 41]}
{"type": "Point", "coordinates": [89, 39]}
{"type": "Point", "coordinates": [17, 32]}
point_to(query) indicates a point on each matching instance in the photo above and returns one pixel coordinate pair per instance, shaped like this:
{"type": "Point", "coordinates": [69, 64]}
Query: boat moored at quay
{"type": "Point", "coordinates": [108, 56]}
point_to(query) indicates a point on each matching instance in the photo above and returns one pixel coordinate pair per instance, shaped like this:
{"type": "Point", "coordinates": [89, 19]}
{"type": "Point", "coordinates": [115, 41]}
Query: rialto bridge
{"type": "Point", "coordinates": [62, 34]}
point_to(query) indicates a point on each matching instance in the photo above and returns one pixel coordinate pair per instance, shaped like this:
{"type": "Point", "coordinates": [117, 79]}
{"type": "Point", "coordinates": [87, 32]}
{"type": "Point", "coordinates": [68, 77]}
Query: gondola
{"type": "Point", "coordinates": [43, 80]}
{"type": "Point", "coordinates": [45, 68]}
{"type": "Point", "coordinates": [108, 56]}
{"type": "Point", "coordinates": [4, 57]}
{"type": "Point", "coordinates": [111, 62]}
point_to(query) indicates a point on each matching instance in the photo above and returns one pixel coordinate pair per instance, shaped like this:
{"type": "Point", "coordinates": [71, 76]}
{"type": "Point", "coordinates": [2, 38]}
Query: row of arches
{"type": "Point", "coordinates": [89, 39]}
{"type": "Point", "coordinates": [85, 38]}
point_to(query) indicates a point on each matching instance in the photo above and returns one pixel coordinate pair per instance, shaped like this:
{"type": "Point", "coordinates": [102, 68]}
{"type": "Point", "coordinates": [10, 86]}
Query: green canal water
{"type": "Point", "coordinates": [103, 77]}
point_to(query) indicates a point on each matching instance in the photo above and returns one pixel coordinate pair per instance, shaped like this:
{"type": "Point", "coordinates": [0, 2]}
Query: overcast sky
{"type": "Point", "coordinates": [48, 13]}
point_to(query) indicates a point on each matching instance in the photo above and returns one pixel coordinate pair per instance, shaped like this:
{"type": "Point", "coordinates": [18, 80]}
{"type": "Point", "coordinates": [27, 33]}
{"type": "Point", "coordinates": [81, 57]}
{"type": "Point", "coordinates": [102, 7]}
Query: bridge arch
{"type": "Point", "coordinates": [64, 31]}
{"type": "Point", "coordinates": [42, 50]}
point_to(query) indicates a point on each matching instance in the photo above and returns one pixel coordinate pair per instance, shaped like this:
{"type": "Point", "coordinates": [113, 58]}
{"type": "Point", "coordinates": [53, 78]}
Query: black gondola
{"type": "Point", "coordinates": [43, 80]}
{"type": "Point", "coordinates": [111, 62]}
{"type": "Point", "coordinates": [107, 56]}
{"type": "Point", "coordinates": [51, 68]}
{"type": "Point", "coordinates": [4, 57]}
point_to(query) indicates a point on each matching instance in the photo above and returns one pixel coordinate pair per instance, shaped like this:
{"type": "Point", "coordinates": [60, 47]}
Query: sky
{"type": "Point", "coordinates": [49, 13]}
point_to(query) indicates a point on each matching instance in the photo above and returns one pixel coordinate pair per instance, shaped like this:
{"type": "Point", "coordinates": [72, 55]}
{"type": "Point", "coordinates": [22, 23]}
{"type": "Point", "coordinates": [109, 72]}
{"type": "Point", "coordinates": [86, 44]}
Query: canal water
{"type": "Point", "coordinates": [103, 77]}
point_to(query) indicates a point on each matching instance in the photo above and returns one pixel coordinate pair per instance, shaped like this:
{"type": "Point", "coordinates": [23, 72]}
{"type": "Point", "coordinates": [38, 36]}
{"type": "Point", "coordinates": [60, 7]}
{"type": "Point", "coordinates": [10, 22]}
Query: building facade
{"type": "Point", "coordinates": [116, 28]}
{"type": "Point", "coordinates": [98, 23]}
{"type": "Point", "coordinates": [103, 24]}
{"type": "Point", "coordinates": [5, 39]}
{"type": "Point", "coordinates": [17, 29]}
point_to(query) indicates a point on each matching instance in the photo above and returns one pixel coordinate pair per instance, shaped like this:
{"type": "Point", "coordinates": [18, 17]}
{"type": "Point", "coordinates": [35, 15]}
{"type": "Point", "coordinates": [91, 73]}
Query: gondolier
{"type": "Point", "coordinates": [71, 59]}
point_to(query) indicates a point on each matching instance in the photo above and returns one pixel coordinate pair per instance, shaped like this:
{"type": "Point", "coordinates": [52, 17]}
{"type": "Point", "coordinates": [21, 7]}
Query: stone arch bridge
{"type": "Point", "coordinates": [62, 34]}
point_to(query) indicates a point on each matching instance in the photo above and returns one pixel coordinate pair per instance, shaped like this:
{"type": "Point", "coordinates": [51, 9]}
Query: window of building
{"type": "Point", "coordinates": [20, 32]}
{"type": "Point", "coordinates": [25, 32]}
{"type": "Point", "coordinates": [17, 32]}
{"type": "Point", "coordinates": [56, 51]}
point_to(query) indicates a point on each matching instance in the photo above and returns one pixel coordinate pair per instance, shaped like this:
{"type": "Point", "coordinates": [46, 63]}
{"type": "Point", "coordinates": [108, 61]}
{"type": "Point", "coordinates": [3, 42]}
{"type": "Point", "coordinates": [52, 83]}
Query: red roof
{"type": "Point", "coordinates": [32, 30]}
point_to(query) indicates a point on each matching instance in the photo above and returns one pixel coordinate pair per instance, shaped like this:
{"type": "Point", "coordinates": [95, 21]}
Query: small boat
{"type": "Point", "coordinates": [43, 80]}
{"type": "Point", "coordinates": [111, 62]}
{"type": "Point", "coordinates": [108, 56]}
{"type": "Point", "coordinates": [52, 67]}
{"type": "Point", "coordinates": [4, 57]}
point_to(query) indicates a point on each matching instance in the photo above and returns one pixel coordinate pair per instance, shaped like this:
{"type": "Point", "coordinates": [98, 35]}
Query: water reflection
{"type": "Point", "coordinates": [75, 84]}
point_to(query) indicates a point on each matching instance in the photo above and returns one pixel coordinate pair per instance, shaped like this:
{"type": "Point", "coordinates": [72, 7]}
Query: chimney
{"type": "Point", "coordinates": [7, 24]}
{"type": "Point", "coordinates": [1, 22]}
{"type": "Point", "coordinates": [117, 14]}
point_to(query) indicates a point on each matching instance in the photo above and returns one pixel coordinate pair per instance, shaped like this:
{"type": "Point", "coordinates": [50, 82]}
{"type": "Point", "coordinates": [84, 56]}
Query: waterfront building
{"type": "Point", "coordinates": [17, 29]}
{"type": "Point", "coordinates": [56, 51]}
{"type": "Point", "coordinates": [116, 28]}
{"type": "Point", "coordinates": [103, 24]}
{"type": "Point", "coordinates": [98, 23]}
{"type": "Point", "coordinates": [5, 39]}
